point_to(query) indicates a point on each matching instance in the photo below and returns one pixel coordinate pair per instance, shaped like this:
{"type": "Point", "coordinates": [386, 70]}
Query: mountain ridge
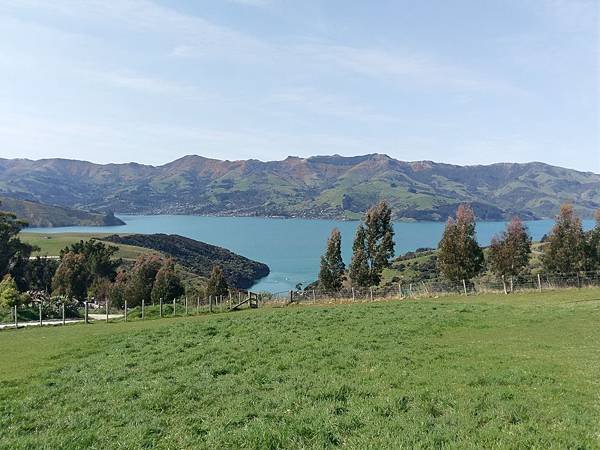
{"type": "Point", "coordinates": [322, 186]}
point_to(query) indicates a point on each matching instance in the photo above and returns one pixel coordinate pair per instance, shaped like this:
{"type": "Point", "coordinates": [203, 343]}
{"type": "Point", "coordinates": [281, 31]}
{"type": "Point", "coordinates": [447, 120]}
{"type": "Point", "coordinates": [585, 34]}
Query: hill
{"type": "Point", "coordinates": [199, 257]}
{"type": "Point", "coordinates": [40, 215]}
{"type": "Point", "coordinates": [316, 187]}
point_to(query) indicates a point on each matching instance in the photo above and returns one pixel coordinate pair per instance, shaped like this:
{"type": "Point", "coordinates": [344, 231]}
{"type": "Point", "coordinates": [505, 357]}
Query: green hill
{"type": "Point", "coordinates": [40, 215]}
{"type": "Point", "coordinates": [316, 187]}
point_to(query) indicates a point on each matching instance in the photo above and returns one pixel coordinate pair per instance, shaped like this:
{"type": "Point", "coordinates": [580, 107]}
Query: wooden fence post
{"type": "Point", "coordinates": [106, 310]}
{"type": "Point", "coordinates": [371, 293]}
{"type": "Point", "coordinates": [511, 285]}
{"type": "Point", "coordinates": [40, 311]}
{"type": "Point", "coordinates": [160, 307]}
{"type": "Point", "coordinates": [539, 283]}
{"type": "Point", "coordinates": [504, 285]}
{"type": "Point", "coordinates": [143, 309]}
{"type": "Point", "coordinates": [174, 304]}
{"type": "Point", "coordinates": [464, 286]}
{"type": "Point", "coordinates": [400, 289]}
{"type": "Point", "coordinates": [229, 304]}
{"type": "Point", "coordinates": [210, 303]}
{"type": "Point", "coordinates": [125, 310]}
{"type": "Point", "coordinates": [410, 292]}
{"type": "Point", "coordinates": [16, 318]}
{"type": "Point", "coordinates": [63, 312]}
{"type": "Point", "coordinates": [186, 306]}
{"type": "Point", "coordinates": [291, 296]}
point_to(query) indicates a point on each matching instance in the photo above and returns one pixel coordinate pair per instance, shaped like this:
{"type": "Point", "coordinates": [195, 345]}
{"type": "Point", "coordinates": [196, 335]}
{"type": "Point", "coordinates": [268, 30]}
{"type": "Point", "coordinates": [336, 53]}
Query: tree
{"type": "Point", "coordinates": [359, 265]}
{"type": "Point", "coordinates": [566, 248]}
{"type": "Point", "coordinates": [9, 294]}
{"type": "Point", "coordinates": [373, 246]}
{"type": "Point", "coordinates": [118, 289]}
{"type": "Point", "coordinates": [100, 290]}
{"type": "Point", "coordinates": [331, 274]}
{"type": "Point", "coordinates": [13, 252]}
{"type": "Point", "coordinates": [141, 279]}
{"type": "Point", "coordinates": [39, 272]}
{"type": "Point", "coordinates": [459, 255]}
{"type": "Point", "coordinates": [509, 253]}
{"type": "Point", "coordinates": [217, 285]}
{"type": "Point", "coordinates": [594, 243]}
{"type": "Point", "coordinates": [71, 277]}
{"type": "Point", "coordinates": [167, 284]}
{"type": "Point", "coordinates": [99, 260]}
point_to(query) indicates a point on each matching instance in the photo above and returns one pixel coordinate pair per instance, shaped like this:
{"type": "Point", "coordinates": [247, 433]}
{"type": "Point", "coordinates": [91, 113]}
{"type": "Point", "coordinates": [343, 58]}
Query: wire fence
{"type": "Point", "coordinates": [58, 311]}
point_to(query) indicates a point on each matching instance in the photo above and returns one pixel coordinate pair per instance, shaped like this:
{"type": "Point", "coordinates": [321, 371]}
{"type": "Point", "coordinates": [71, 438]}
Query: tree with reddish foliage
{"type": "Point", "coordinates": [459, 255]}
{"type": "Point", "coordinates": [167, 284]}
{"type": "Point", "coordinates": [509, 252]}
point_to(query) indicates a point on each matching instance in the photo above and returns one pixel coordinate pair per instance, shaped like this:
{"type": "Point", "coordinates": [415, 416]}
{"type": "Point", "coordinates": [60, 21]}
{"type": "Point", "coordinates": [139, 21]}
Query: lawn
{"type": "Point", "coordinates": [50, 244]}
{"type": "Point", "coordinates": [487, 371]}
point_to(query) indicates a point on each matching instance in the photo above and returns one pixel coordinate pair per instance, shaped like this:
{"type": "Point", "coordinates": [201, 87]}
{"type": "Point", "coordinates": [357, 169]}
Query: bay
{"type": "Point", "coordinates": [290, 247]}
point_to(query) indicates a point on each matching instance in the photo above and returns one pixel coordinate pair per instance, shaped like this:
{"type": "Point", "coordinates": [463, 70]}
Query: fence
{"type": "Point", "coordinates": [62, 313]}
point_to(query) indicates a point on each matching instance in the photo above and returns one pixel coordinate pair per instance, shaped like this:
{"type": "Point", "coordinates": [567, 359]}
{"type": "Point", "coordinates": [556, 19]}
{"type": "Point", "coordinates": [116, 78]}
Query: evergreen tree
{"type": "Point", "coordinates": [9, 294]}
{"type": "Point", "coordinates": [331, 274]}
{"type": "Point", "coordinates": [566, 248]}
{"type": "Point", "coordinates": [167, 284]}
{"type": "Point", "coordinates": [459, 255]}
{"type": "Point", "coordinates": [594, 243]}
{"type": "Point", "coordinates": [373, 246]}
{"type": "Point", "coordinates": [71, 277]}
{"type": "Point", "coordinates": [98, 256]}
{"type": "Point", "coordinates": [39, 272]}
{"type": "Point", "coordinates": [509, 253]}
{"type": "Point", "coordinates": [14, 253]}
{"type": "Point", "coordinates": [217, 285]}
{"type": "Point", "coordinates": [141, 279]}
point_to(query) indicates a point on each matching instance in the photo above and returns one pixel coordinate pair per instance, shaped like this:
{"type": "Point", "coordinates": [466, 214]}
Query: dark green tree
{"type": "Point", "coordinates": [373, 246]}
{"type": "Point", "coordinates": [141, 279]}
{"type": "Point", "coordinates": [98, 256]}
{"type": "Point", "coordinates": [459, 255]}
{"type": "Point", "coordinates": [509, 253]}
{"type": "Point", "coordinates": [217, 285]}
{"type": "Point", "coordinates": [331, 273]}
{"type": "Point", "coordinates": [594, 243]}
{"type": "Point", "coordinates": [71, 277]}
{"type": "Point", "coordinates": [167, 284]}
{"type": "Point", "coordinates": [359, 266]}
{"type": "Point", "coordinates": [14, 253]}
{"type": "Point", "coordinates": [39, 272]}
{"type": "Point", "coordinates": [566, 248]}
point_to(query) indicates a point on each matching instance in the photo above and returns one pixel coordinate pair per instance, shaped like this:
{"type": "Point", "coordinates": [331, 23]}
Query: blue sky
{"type": "Point", "coordinates": [465, 82]}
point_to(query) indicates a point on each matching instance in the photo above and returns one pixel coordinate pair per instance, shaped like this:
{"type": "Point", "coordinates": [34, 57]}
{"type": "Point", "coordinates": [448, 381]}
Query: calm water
{"type": "Point", "coordinates": [290, 247]}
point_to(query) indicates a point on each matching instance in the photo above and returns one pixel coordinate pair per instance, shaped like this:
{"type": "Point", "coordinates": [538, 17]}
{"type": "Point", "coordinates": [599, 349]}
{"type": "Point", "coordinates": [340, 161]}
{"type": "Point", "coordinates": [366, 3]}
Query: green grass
{"type": "Point", "coordinates": [51, 244]}
{"type": "Point", "coordinates": [487, 371]}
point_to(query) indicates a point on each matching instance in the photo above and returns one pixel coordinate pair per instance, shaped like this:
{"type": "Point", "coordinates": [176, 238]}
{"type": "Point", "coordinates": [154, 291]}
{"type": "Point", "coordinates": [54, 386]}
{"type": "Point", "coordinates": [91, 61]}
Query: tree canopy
{"type": "Point", "coordinates": [331, 273]}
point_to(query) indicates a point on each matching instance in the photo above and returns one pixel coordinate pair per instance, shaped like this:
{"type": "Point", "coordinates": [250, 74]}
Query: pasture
{"type": "Point", "coordinates": [471, 372]}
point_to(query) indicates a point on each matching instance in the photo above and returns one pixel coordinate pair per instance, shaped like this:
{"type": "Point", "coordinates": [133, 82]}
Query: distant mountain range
{"type": "Point", "coordinates": [317, 187]}
{"type": "Point", "coordinates": [41, 215]}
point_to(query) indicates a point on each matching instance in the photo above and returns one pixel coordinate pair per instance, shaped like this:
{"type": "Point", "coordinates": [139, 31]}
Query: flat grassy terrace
{"type": "Point", "coordinates": [470, 372]}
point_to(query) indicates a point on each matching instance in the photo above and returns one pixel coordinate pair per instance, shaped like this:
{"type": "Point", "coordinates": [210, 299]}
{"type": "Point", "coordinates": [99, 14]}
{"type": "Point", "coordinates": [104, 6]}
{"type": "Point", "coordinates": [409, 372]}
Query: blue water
{"type": "Point", "coordinates": [290, 247]}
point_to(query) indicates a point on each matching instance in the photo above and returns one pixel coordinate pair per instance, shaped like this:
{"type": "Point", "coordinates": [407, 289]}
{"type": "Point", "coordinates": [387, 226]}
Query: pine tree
{"type": "Point", "coordinates": [509, 253]}
{"type": "Point", "coordinates": [565, 250]}
{"type": "Point", "coordinates": [459, 255]}
{"type": "Point", "coordinates": [331, 274]}
{"type": "Point", "coordinates": [359, 266]}
{"type": "Point", "coordinates": [217, 285]}
{"type": "Point", "coordinates": [373, 246]}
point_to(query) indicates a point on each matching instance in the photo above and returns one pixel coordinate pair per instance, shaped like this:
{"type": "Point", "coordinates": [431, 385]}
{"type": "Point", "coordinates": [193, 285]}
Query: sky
{"type": "Point", "coordinates": [463, 82]}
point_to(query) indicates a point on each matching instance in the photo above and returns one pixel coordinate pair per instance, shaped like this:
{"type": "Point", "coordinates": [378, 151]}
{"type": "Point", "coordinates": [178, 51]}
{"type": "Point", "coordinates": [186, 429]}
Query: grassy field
{"type": "Point", "coordinates": [51, 244]}
{"type": "Point", "coordinates": [487, 371]}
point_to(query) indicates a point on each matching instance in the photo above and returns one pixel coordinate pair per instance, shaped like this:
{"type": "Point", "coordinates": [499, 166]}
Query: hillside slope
{"type": "Point", "coordinates": [316, 187]}
{"type": "Point", "coordinates": [41, 215]}
{"type": "Point", "coordinates": [199, 257]}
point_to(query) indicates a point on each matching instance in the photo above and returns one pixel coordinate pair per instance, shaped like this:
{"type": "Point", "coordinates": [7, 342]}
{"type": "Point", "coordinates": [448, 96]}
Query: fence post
{"type": "Point", "coordinates": [291, 296]}
{"type": "Point", "coordinates": [504, 285]}
{"type": "Point", "coordinates": [539, 283]}
{"type": "Point", "coordinates": [197, 304]}
{"type": "Point", "coordinates": [160, 307]}
{"type": "Point", "coordinates": [371, 293]}
{"type": "Point", "coordinates": [210, 303]}
{"type": "Point", "coordinates": [578, 281]}
{"type": "Point", "coordinates": [511, 285]}
{"type": "Point", "coordinates": [174, 305]}
{"type": "Point", "coordinates": [143, 304]}
{"type": "Point", "coordinates": [464, 286]}
{"type": "Point", "coordinates": [229, 305]}
{"type": "Point", "coordinates": [400, 289]}
{"type": "Point", "coordinates": [410, 293]}
{"type": "Point", "coordinates": [125, 310]}
{"type": "Point", "coordinates": [85, 314]}
{"type": "Point", "coordinates": [16, 317]}
{"type": "Point", "coordinates": [63, 312]}
{"type": "Point", "coordinates": [40, 309]}
{"type": "Point", "coordinates": [106, 310]}
{"type": "Point", "coordinates": [186, 306]}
